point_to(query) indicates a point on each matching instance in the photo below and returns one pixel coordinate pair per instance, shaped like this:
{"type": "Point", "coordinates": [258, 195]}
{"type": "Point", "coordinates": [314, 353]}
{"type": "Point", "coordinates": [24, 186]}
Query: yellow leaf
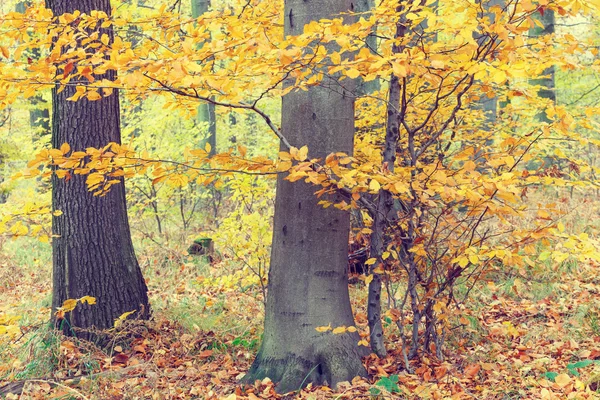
{"type": "Point", "coordinates": [368, 279]}
{"type": "Point", "coordinates": [284, 156]}
{"type": "Point", "coordinates": [69, 305]}
{"type": "Point", "coordinates": [336, 59]}
{"type": "Point", "coordinates": [371, 261]}
{"type": "Point", "coordinates": [351, 329]}
{"type": "Point", "coordinates": [93, 95]}
{"type": "Point", "coordinates": [88, 299]}
{"type": "Point", "coordinates": [352, 73]}
{"type": "Point", "coordinates": [543, 214]}
{"type": "Point", "coordinates": [322, 329]}
{"type": "Point", "coordinates": [65, 148]}
{"type": "Point", "coordinates": [284, 166]}
{"type": "Point", "coordinates": [562, 380]}
{"type": "Point", "coordinates": [374, 185]}
{"type": "Point", "coordinates": [123, 317]}
{"type": "Point", "coordinates": [339, 330]}
{"type": "Point", "coordinates": [302, 153]}
{"type": "Point", "coordinates": [4, 51]}
{"type": "Point", "coordinates": [399, 69]}
{"type": "Point", "coordinates": [469, 166]}
{"type": "Point", "coordinates": [463, 261]}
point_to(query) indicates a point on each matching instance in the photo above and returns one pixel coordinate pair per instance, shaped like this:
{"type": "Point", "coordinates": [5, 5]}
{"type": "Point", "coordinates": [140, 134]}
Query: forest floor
{"type": "Point", "coordinates": [530, 335]}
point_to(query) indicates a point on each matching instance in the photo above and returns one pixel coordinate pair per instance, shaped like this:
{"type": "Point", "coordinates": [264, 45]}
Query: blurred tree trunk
{"type": "Point", "coordinates": [489, 105]}
{"type": "Point", "coordinates": [546, 82]}
{"type": "Point", "coordinates": [39, 111]}
{"type": "Point", "coordinates": [92, 250]}
{"type": "Point", "coordinates": [308, 283]}
{"type": "Point", "coordinates": [206, 111]}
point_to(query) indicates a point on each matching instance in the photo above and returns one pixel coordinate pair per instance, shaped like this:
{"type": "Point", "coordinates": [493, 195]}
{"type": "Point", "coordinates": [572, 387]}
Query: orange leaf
{"type": "Point", "coordinates": [205, 354]}
{"type": "Point", "coordinates": [68, 68]}
{"type": "Point", "coordinates": [472, 370]}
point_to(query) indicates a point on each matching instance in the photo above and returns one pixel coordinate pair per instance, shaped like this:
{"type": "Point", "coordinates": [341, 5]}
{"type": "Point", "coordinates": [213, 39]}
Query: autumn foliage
{"type": "Point", "coordinates": [472, 193]}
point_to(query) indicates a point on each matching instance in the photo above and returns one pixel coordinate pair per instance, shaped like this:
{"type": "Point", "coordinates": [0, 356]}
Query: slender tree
{"type": "Point", "coordinates": [92, 250]}
{"type": "Point", "coordinates": [546, 81]}
{"type": "Point", "coordinates": [308, 284]}
{"type": "Point", "coordinates": [39, 111]}
{"type": "Point", "coordinates": [206, 111]}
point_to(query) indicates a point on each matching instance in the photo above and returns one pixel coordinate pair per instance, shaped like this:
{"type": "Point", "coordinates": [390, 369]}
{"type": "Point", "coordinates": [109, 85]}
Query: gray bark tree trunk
{"type": "Point", "coordinates": [308, 283]}
{"type": "Point", "coordinates": [39, 113]}
{"type": "Point", "coordinates": [546, 83]}
{"type": "Point", "coordinates": [92, 249]}
{"type": "Point", "coordinates": [206, 111]}
{"type": "Point", "coordinates": [489, 105]}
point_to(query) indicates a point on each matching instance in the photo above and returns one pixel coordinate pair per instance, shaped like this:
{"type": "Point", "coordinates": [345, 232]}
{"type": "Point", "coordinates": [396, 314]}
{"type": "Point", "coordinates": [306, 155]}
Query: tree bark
{"type": "Point", "coordinates": [92, 249]}
{"type": "Point", "coordinates": [308, 283]}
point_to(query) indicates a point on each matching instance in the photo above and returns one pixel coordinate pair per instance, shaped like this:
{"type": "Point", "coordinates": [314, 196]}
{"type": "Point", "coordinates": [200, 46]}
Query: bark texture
{"type": "Point", "coordinates": [92, 250]}
{"type": "Point", "coordinates": [308, 284]}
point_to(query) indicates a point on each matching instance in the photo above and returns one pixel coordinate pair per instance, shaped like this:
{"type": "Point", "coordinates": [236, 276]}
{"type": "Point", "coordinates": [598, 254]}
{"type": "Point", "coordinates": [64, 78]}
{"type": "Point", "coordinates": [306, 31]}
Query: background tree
{"type": "Point", "coordinates": [308, 284]}
{"type": "Point", "coordinates": [93, 253]}
{"type": "Point", "coordinates": [206, 111]}
{"type": "Point", "coordinates": [542, 31]}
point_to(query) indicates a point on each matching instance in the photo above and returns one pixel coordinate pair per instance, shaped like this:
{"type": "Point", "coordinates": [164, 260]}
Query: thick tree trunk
{"type": "Point", "coordinates": [308, 284]}
{"type": "Point", "coordinates": [92, 250]}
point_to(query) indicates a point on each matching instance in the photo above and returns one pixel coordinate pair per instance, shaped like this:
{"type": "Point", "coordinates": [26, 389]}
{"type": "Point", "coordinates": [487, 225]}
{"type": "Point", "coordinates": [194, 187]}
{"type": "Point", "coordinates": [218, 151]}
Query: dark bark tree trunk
{"type": "Point", "coordinates": [308, 283]}
{"type": "Point", "coordinates": [92, 250]}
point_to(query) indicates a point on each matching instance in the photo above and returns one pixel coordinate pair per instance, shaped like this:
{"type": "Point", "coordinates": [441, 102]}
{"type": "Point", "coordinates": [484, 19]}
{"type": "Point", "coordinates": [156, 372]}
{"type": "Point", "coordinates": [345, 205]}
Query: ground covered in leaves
{"type": "Point", "coordinates": [525, 335]}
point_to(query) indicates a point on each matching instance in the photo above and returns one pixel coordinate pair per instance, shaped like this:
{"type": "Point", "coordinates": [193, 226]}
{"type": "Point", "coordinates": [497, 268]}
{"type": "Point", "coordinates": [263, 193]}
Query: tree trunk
{"type": "Point", "coordinates": [39, 113]}
{"type": "Point", "coordinates": [206, 111]}
{"type": "Point", "coordinates": [363, 8]}
{"type": "Point", "coordinates": [546, 82]}
{"type": "Point", "coordinates": [489, 105]}
{"type": "Point", "coordinates": [308, 283]}
{"type": "Point", "coordinates": [92, 250]}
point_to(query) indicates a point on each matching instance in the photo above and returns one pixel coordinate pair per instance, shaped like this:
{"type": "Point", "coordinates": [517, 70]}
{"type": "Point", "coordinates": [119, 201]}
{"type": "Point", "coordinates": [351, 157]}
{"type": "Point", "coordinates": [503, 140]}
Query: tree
{"type": "Point", "coordinates": [308, 284]}
{"type": "Point", "coordinates": [93, 253]}
{"type": "Point", "coordinates": [39, 113]}
{"type": "Point", "coordinates": [544, 27]}
{"type": "Point", "coordinates": [206, 111]}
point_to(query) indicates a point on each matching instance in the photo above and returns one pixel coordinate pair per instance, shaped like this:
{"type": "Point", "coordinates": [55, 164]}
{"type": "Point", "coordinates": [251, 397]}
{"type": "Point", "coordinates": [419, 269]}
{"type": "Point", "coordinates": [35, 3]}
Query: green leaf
{"type": "Point", "coordinates": [551, 375]}
{"type": "Point", "coordinates": [389, 383]}
{"type": "Point", "coordinates": [580, 364]}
